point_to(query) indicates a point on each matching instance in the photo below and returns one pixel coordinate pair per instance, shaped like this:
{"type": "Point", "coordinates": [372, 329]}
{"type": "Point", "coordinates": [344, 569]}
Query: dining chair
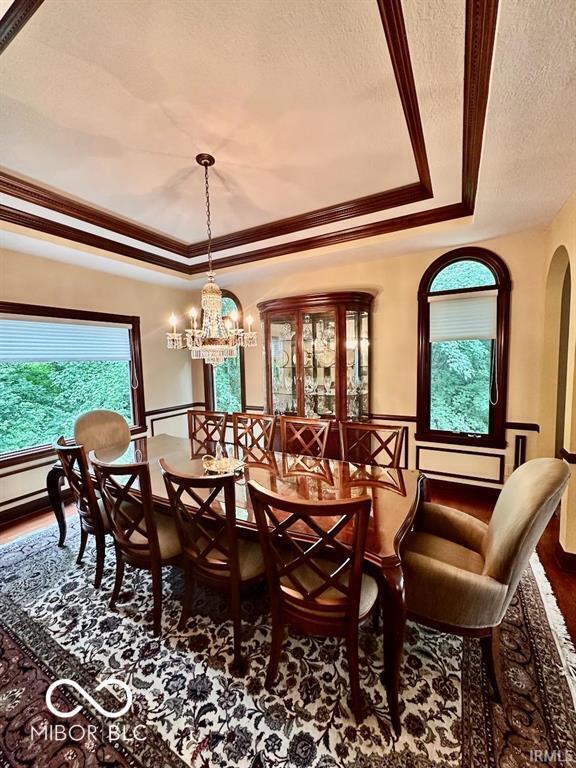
{"type": "Point", "coordinates": [101, 429]}
{"type": "Point", "coordinates": [205, 512]}
{"type": "Point", "coordinates": [205, 429]}
{"type": "Point", "coordinates": [476, 567]}
{"type": "Point", "coordinates": [93, 520]}
{"type": "Point", "coordinates": [253, 432]}
{"type": "Point", "coordinates": [307, 437]}
{"type": "Point", "coordinates": [371, 444]}
{"type": "Point", "coordinates": [314, 556]}
{"type": "Point", "coordinates": [143, 537]}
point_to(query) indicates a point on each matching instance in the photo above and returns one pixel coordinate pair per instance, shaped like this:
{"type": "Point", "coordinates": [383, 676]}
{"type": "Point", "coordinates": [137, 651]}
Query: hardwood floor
{"type": "Point", "coordinates": [476, 501]}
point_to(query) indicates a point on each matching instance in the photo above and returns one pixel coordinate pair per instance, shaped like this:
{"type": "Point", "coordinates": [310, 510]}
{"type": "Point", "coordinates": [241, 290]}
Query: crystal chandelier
{"type": "Point", "coordinates": [218, 338]}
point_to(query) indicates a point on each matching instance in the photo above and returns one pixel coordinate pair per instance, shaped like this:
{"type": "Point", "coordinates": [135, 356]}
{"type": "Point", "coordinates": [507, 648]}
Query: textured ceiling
{"type": "Point", "coordinates": [111, 101]}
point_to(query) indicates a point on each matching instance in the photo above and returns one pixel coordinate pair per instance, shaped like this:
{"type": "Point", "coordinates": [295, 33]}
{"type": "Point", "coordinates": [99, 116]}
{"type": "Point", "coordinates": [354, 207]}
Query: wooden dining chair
{"type": "Point", "coordinates": [205, 428]}
{"type": "Point", "coordinates": [252, 431]}
{"type": "Point", "coordinates": [314, 556]}
{"type": "Point", "coordinates": [307, 437]}
{"type": "Point", "coordinates": [93, 520]}
{"type": "Point", "coordinates": [205, 512]}
{"type": "Point", "coordinates": [373, 444]}
{"type": "Point", "coordinates": [143, 537]}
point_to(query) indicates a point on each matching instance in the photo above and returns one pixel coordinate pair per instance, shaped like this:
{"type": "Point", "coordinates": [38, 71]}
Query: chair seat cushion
{"type": "Point", "coordinates": [311, 580]}
{"type": "Point", "coordinates": [445, 551]}
{"type": "Point", "coordinates": [250, 558]}
{"type": "Point", "coordinates": [445, 584]}
{"type": "Point", "coordinates": [168, 539]}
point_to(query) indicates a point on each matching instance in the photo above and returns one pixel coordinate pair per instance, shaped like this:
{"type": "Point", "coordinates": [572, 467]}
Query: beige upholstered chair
{"type": "Point", "coordinates": [101, 429]}
{"type": "Point", "coordinates": [460, 573]}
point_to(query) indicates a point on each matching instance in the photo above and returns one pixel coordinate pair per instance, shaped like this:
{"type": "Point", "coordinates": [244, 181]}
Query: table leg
{"type": "Point", "coordinates": [54, 482]}
{"type": "Point", "coordinates": [394, 615]}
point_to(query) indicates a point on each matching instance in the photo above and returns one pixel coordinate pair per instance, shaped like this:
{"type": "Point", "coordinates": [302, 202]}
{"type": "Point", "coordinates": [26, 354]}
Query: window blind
{"type": "Point", "coordinates": [31, 341]}
{"type": "Point", "coordinates": [463, 316]}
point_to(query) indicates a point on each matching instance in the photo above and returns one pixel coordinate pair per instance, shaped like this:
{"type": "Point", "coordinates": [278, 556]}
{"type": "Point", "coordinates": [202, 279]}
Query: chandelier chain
{"type": "Point", "coordinates": [208, 221]}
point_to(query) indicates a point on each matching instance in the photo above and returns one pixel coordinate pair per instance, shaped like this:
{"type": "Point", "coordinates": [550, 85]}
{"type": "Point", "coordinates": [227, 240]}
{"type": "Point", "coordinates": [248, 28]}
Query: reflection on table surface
{"type": "Point", "coordinates": [394, 492]}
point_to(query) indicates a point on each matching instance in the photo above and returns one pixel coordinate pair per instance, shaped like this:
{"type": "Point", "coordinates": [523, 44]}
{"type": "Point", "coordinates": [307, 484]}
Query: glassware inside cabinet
{"type": "Point", "coordinates": [357, 363]}
{"type": "Point", "coordinates": [319, 353]}
{"type": "Point", "coordinates": [283, 364]}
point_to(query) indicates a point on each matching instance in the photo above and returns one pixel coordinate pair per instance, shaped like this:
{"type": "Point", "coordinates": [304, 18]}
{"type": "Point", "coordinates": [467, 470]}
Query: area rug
{"type": "Point", "coordinates": [189, 710]}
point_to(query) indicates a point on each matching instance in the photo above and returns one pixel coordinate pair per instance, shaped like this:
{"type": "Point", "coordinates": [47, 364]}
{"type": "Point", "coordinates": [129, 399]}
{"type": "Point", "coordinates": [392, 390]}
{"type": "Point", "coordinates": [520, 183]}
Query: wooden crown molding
{"type": "Point", "coordinates": [12, 22]}
{"type": "Point", "coordinates": [55, 201]}
{"type": "Point", "coordinates": [479, 43]}
{"type": "Point", "coordinates": [395, 31]}
{"type": "Point", "coordinates": [481, 16]}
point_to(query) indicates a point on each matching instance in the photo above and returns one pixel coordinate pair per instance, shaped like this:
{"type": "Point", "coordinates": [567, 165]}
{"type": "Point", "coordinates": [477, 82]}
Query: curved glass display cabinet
{"type": "Point", "coordinates": [318, 355]}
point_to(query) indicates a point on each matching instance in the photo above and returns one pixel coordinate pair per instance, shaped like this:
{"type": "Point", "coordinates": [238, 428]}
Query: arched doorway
{"type": "Point", "coordinates": [555, 354]}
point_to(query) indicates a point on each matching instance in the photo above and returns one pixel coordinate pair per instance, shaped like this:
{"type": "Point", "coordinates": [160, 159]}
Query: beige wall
{"type": "Point", "coordinates": [394, 281]}
{"type": "Point", "coordinates": [167, 379]}
{"type": "Point", "coordinates": [560, 248]}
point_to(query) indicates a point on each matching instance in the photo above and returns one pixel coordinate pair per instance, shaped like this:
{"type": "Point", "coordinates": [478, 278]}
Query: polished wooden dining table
{"type": "Point", "coordinates": [395, 495]}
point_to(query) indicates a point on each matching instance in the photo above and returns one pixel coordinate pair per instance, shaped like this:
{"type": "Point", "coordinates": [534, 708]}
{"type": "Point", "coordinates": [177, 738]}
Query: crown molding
{"type": "Point", "coordinates": [15, 18]}
{"type": "Point", "coordinates": [481, 16]}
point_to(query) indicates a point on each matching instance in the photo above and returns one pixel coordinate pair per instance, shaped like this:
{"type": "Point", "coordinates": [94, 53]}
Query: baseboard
{"type": "Point", "coordinates": [566, 560]}
{"type": "Point", "coordinates": [482, 491]}
{"type": "Point", "coordinates": [29, 509]}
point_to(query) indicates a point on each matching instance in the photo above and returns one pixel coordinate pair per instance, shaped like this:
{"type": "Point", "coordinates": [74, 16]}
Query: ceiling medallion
{"type": "Point", "coordinates": [219, 337]}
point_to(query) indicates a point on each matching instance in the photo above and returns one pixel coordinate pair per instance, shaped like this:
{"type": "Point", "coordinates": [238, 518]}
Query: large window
{"type": "Point", "coordinates": [224, 384]}
{"type": "Point", "coordinates": [53, 368]}
{"type": "Point", "coordinates": [463, 330]}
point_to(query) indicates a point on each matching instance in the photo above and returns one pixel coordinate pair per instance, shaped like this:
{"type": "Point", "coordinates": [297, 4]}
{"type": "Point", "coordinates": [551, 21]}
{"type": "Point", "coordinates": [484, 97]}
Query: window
{"type": "Point", "coordinates": [56, 364]}
{"type": "Point", "coordinates": [224, 384]}
{"type": "Point", "coordinates": [463, 348]}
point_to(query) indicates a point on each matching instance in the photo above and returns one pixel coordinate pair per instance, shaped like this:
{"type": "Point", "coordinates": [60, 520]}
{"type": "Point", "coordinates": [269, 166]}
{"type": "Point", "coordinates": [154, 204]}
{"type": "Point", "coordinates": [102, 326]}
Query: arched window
{"type": "Point", "coordinates": [463, 312]}
{"type": "Point", "coordinates": [224, 384]}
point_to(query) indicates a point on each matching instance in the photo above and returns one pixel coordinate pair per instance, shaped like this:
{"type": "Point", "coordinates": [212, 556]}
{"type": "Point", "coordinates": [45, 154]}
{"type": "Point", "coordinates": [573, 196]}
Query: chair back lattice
{"type": "Point", "coordinates": [374, 444]}
{"type": "Point", "coordinates": [75, 466]}
{"type": "Point", "coordinates": [205, 428]}
{"type": "Point", "coordinates": [127, 494]}
{"type": "Point", "coordinates": [307, 437]}
{"type": "Point", "coordinates": [205, 513]}
{"type": "Point", "coordinates": [253, 432]}
{"type": "Point", "coordinates": [313, 551]}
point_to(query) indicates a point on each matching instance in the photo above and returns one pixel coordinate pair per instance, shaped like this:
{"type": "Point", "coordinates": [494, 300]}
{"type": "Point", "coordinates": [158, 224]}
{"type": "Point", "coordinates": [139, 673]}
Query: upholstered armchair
{"type": "Point", "coordinates": [101, 429]}
{"type": "Point", "coordinates": [461, 573]}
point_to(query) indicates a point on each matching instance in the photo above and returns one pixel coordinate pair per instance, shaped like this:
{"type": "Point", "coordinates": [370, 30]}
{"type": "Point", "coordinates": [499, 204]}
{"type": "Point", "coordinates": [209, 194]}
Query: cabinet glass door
{"type": "Point", "coordinates": [319, 361]}
{"type": "Point", "coordinates": [357, 363]}
{"type": "Point", "coordinates": [283, 364]}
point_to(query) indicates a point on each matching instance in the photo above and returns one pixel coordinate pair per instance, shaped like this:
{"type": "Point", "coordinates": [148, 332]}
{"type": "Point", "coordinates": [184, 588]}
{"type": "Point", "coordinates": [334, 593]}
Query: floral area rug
{"type": "Point", "coordinates": [189, 710]}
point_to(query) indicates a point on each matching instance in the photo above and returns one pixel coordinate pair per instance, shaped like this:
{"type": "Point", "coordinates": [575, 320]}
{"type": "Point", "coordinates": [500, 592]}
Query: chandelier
{"type": "Point", "coordinates": [218, 338]}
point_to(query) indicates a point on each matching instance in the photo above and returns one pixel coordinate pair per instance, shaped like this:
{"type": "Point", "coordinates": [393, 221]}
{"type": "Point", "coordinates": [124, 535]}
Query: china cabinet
{"type": "Point", "coordinates": [318, 355]}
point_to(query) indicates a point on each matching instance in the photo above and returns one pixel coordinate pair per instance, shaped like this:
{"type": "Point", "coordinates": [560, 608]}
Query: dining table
{"type": "Point", "coordinates": [395, 495]}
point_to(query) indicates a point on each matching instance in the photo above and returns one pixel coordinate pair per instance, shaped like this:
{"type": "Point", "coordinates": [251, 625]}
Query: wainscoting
{"type": "Point", "coordinates": [23, 491]}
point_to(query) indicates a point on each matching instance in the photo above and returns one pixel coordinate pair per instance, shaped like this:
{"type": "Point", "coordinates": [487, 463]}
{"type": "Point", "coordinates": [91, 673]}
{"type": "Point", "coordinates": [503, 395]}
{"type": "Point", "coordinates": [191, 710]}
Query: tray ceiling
{"type": "Point", "coordinates": [330, 121]}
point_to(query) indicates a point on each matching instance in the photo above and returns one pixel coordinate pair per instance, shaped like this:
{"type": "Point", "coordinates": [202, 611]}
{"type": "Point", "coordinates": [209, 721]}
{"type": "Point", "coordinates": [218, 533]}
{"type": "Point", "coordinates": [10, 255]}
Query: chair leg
{"type": "Point", "coordinates": [157, 593]}
{"type": "Point", "coordinates": [275, 651]}
{"type": "Point", "coordinates": [487, 644]}
{"type": "Point", "coordinates": [83, 540]}
{"type": "Point", "coordinates": [354, 672]}
{"type": "Point", "coordinates": [100, 554]}
{"type": "Point", "coordinates": [187, 598]}
{"type": "Point", "coordinates": [119, 578]}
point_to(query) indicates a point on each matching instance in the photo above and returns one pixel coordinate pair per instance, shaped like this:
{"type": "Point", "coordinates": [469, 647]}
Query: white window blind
{"type": "Point", "coordinates": [463, 316]}
{"type": "Point", "coordinates": [32, 341]}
